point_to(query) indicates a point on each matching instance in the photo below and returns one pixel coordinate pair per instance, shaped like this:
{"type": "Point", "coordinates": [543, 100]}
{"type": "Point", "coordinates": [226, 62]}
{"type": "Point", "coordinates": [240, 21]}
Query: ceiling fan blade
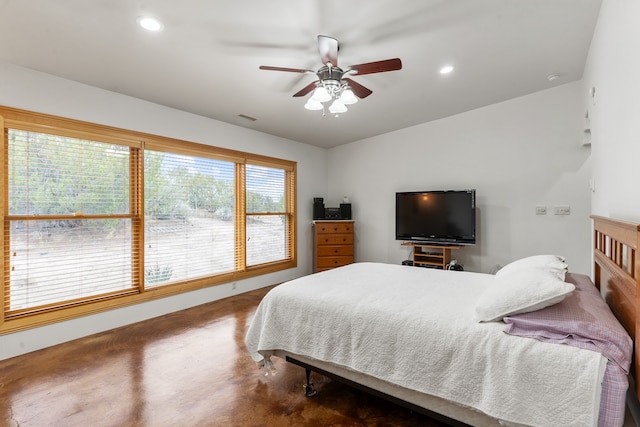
{"type": "Point", "coordinates": [290, 70]}
{"type": "Point", "coordinates": [358, 90]}
{"type": "Point", "coordinates": [377, 66]}
{"type": "Point", "coordinates": [328, 48]}
{"type": "Point", "coordinates": [305, 90]}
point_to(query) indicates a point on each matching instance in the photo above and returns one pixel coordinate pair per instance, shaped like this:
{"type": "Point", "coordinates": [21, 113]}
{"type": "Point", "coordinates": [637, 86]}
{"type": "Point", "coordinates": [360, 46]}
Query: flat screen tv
{"type": "Point", "coordinates": [437, 217]}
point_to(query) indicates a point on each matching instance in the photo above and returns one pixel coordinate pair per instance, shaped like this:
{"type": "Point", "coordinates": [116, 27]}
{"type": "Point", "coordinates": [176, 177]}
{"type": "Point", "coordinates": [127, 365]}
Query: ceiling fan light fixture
{"type": "Point", "coordinates": [347, 97]}
{"type": "Point", "coordinates": [313, 105]}
{"type": "Point", "coordinates": [321, 94]}
{"type": "Point", "coordinates": [337, 107]}
{"type": "Point", "coordinates": [332, 87]}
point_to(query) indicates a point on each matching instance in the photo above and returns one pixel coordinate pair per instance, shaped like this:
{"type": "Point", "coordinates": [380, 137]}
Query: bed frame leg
{"type": "Point", "coordinates": [309, 389]}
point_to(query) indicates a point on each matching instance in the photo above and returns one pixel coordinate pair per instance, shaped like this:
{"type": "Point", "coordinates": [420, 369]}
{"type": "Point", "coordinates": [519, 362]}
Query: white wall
{"type": "Point", "coordinates": [613, 68]}
{"type": "Point", "coordinates": [517, 154]}
{"type": "Point", "coordinates": [30, 90]}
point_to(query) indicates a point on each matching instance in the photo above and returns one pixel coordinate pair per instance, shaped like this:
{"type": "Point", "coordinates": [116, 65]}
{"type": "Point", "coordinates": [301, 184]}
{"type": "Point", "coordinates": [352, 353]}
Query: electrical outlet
{"type": "Point", "coordinates": [233, 286]}
{"type": "Point", "coordinates": [541, 210]}
{"type": "Point", "coordinates": [562, 210]}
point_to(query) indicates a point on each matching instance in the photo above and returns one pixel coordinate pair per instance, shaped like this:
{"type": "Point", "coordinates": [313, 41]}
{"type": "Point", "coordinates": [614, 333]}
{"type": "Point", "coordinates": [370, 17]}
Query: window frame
{"type": "Point", "coordinates": [138, 142]}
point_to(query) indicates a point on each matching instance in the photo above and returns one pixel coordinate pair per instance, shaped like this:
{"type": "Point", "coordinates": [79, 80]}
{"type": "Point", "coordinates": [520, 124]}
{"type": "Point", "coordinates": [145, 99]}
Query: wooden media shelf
{"type": "Point", "coordinates": [435, 256]}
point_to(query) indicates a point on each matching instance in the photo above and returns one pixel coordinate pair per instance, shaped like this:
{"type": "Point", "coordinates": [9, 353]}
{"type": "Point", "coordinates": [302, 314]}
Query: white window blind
{"type": "Point", "coordinates": [70, 222]}
{"type": "Point", "coordinates": [268, 215]}
{"type": "Point", "coordinates": [189, 217]}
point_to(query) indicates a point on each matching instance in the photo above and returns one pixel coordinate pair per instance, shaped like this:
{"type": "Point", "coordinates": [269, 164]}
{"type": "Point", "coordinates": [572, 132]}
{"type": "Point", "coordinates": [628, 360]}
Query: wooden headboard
{"type": "Point", "coordinates": [616, 273]}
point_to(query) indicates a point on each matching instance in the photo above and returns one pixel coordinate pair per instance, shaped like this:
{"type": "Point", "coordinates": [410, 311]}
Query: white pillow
{"type": "Point", "coordinates": [521, 291]}
{"type": "Point", "coordinates": [553, 263]}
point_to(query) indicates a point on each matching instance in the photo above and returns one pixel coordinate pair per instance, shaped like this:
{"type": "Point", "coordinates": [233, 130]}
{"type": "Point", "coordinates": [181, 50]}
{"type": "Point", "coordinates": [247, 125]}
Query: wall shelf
{"type": "Point", "coordinates": [586, 132]}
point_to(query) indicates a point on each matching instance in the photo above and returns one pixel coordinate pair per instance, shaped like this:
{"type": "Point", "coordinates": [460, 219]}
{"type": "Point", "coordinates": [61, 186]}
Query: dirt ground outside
{"type": "Point", "coordinates": [59, 264]}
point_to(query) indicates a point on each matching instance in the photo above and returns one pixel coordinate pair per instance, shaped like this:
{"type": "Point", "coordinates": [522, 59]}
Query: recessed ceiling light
{"type": "Point", "coordinates": [446, 69]}
{"type": "Point", "coordinates": [150, 24]}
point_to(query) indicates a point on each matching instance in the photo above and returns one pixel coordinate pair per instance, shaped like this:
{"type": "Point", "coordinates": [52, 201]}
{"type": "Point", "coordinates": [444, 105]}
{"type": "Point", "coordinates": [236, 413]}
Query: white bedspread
{"type": "Point", "coordinates": [415, 327]}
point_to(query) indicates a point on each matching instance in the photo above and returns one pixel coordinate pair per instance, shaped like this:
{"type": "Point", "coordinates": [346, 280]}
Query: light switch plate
{"type": "Point", "coordinates": [541, 210]}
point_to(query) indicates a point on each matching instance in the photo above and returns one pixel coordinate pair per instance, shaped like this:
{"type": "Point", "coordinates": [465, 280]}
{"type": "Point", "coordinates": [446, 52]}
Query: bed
{"type": "Point", "coordinates": [458, 345]}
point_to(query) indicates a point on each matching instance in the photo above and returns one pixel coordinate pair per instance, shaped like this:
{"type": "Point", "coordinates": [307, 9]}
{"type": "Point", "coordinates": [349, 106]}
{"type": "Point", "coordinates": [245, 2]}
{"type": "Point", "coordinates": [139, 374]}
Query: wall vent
{"type": "Point", "coordinates": [244, 116]}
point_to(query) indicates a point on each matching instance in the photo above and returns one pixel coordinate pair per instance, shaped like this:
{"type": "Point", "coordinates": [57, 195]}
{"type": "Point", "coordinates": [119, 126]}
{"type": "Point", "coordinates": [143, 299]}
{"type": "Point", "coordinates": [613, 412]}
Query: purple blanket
{"type": "Point", "coordinates": [584, 320]}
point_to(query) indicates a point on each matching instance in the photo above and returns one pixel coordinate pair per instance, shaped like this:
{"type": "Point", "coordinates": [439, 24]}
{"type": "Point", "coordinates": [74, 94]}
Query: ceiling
{"type": "Point", "coordinates": [206, 59]}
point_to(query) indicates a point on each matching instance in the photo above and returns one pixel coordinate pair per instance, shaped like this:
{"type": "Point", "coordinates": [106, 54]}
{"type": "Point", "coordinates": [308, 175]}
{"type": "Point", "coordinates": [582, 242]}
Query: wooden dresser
{"type": "Point", "coordinates": [332, 244]}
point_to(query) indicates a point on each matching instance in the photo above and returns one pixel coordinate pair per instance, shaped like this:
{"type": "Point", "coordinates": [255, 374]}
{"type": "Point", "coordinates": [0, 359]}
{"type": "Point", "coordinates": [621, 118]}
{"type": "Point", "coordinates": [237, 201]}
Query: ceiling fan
{"type": "Point", "coordinates": [332, 85]}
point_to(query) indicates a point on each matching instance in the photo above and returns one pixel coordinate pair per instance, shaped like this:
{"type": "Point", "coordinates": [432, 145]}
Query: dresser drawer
{"type": "Point", "coordinates": [335, 228]}
{"type": "Point", "coordinates": [333, 261]}
{"type": "Point", "coordinates": [333, 244]}
{"type": "Point", "coordinates": [323, 251]}
{"type": "Point", "coordinates": [334, 239]}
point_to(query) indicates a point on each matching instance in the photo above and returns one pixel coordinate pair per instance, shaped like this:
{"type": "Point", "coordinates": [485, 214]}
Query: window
{"type": "Point", "coordinates": [189, 217]}
{"type": "Point", "coordinates": [96, 217]}
{"type": "Point", "coordinates": [71, 233]}
{"type": "Point", "coordinates": [267, 214]}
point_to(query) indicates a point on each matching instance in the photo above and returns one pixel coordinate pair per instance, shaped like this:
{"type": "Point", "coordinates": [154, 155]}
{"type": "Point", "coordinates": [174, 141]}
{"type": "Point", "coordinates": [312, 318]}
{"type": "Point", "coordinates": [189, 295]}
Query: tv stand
{"type": "Point", "coordinates": [429, 255]}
